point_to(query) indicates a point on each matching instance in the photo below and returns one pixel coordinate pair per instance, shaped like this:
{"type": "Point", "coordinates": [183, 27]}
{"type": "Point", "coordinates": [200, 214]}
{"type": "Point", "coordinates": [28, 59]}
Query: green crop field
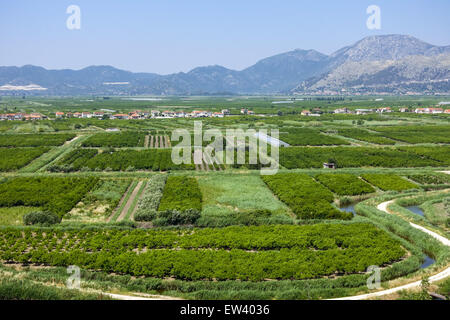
{"type": "Point", "coordinates": [108, 196]}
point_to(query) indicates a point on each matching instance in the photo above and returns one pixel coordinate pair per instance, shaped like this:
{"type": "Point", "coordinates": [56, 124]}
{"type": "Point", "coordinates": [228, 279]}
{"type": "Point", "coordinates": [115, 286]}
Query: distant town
{"type": "Point", "coordinates": [156, 114]}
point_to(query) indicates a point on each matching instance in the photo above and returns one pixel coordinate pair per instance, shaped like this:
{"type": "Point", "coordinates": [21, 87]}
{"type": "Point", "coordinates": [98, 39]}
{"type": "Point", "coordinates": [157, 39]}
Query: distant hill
{"type": "Point", "coordinates": [394, 64]}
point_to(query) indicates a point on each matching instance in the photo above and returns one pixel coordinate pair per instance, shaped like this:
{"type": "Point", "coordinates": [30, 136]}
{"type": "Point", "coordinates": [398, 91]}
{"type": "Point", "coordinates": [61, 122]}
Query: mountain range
{"type": "Point", "coordinates": [387, 64]}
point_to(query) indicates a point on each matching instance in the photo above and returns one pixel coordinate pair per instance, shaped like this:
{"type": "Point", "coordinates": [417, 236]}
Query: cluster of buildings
{"type": "Point", "coordinates": [432, 110]}
{"type": "Point", "coordinates": [139, 114]}
{"type": "Point", "coordinates": [364, 111]}
{"type": "Point", "coordinates": [22, 116]}
{"type": "Point", "coordinates": [388, 110]}
{"type": "Point", "coordinates": [310, 114]}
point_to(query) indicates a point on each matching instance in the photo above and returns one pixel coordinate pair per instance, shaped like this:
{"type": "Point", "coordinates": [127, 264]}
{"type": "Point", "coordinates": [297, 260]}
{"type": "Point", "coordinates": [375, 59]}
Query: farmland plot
{"type": "Point", "coordinates": [308, 137]}
{"type": "Point", "coordinates": [238, 199]}
{"type": "Point", "coordinates": [34, 140]}
{"type": "Point", "coordinates": [232, 253]}
{"type": "Point", "coordinates": [307, 198]}
{"type": "Point", "coordinates": [365, 135]}
{"type": "Point", "coordinates": [13, 159]}
{"type": "Point", "coordinates": [346, 157]}
{"type": "Point", "coordinates": [417, 134]}
{"type": "Point", "coordinates": [58, 195]}
{"type": "Point", "coordinates": [116, 140]}
{"type": "Point", "coordinates": [121, 160]}
{"type": "Point", "coordinates": [344, 184]}
{"type": "Point", "coordinates": [389, 182]}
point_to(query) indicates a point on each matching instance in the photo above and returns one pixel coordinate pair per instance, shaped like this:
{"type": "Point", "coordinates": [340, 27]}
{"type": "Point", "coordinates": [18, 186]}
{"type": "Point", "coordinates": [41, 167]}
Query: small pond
{"type": "Point", "coordinates": [428, 261]}
{"type": "Point", "coordinates": [349, 208]}
{"type": "Point", "coordinates": [416, 210]}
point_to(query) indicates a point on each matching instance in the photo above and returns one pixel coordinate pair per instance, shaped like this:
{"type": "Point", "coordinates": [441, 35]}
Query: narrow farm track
{"type": "Point", "coordinates": [437, 277]}
{"type": "Point", "coordinates": [136, 206]}
{"type": "Point", "coordinates": [120, 204]}
{"type": "Point", "coordinates": [151, 142]}
{"type": "Point", "coordinates": [161, 142]}
{"type": "Point", "coordinates": [140, 296]}
{"type": "Point", "coordinates": [146, 141]}
{"type": "Point", "coordinates": [129, 202]}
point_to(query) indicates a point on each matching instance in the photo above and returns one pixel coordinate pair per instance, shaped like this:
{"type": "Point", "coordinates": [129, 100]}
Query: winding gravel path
{"type": "Point", "coordinates": [383, 207]}
{"type": "Point", "coordinates": [141, 296]}
{"type": "Point", "coordinates": [437, 277]}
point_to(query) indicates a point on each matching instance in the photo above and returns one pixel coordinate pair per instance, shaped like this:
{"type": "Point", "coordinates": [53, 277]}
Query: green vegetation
{"type": "Point", "coordinates": [346, 157]}
{"type": "Point", "coordinates": [40, 218]}
{"type": "Point", "coordinates": [148, 204]}
{"type": "Point", "coordinates": [13, 159]}
{"type": "Point", "coordinates": [306, 198]}
{"type": "Point", "coordinates": [14, 215]}
{"type": "Point", "coordinates": [19, 289]}
{"type": "Point", "coordinates": [389, 182]}
{"type": "Point", "coordinates": [99, 203]}
{"type": "Point", "coordinates": [417, 134]}
{"type": "Point", "coordinates": [441, 153]}
{"type": "Point", "coordinates": [57, 195]}
{"type": "Point", "coordinates": [181, 193]}
{"type": "Point", "coordinates": [116, 140]}
{"type": "Point", "coordinates": [344, 184]}
{"type": "Point", "coordinates": [238, 199]}
{"type": "Point", "coordinates": [34, 140]}
{"type": "Point", "coordinates": [430, 178]}
{"type": "Point", "coordinates": [365, 135]}
{"type": "Point", "coordinates": [220, 233]}
{"type": "Point", "coordinates": [126, 197]}
{"type": "Point", "coordinates": [122, 160]}
{"type": "Point", "coordinates": [302, 252]}
{"type": "Point", "coordinates": [309, 137]}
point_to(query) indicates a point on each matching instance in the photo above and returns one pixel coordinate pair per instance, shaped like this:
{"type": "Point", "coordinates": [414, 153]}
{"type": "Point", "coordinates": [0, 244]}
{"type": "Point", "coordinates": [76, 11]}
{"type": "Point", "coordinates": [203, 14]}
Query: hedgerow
{"type": "Point", "coordinates": [40, 217]}
{"type": "Point", "coordinates": [344, 184]}
{"type": "Point", "coordinates": [388, 182]}
{"type": "Point", "coordinates": [307, 198]}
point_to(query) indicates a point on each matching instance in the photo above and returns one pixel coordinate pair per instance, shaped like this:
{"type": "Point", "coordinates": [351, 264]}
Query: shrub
{"type": "Point", "coordinates": [145, 215]}
{"type": "Point", "coordinates": [175, 217]}
{"type": "Point", "coordinates": [40, 217]}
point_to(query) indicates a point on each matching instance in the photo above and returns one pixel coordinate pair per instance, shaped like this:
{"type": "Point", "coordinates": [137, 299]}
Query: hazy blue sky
{"type": "Point", "coordinates": [168, 36]}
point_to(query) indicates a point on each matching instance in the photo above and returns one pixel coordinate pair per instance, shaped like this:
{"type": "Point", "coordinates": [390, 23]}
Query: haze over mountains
{"type": "Point", "coordinates": [389, 64]}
